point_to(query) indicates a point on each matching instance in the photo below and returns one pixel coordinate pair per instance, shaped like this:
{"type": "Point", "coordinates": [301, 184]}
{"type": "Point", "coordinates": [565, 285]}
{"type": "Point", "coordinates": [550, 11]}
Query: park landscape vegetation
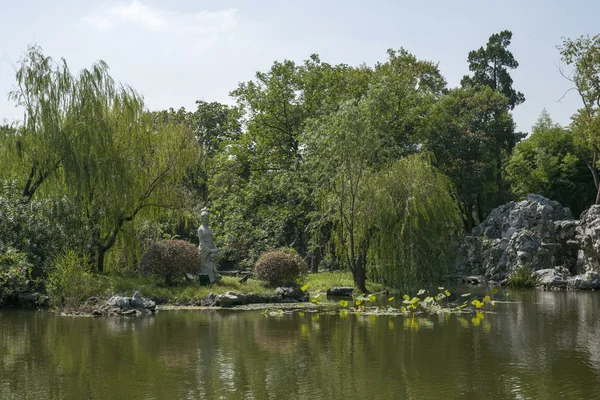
{"type": "Point", "coordinates": [376, 171]}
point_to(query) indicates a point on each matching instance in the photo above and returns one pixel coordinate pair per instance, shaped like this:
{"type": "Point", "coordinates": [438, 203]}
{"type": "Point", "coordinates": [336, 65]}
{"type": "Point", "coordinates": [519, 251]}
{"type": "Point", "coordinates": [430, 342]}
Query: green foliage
{"type": "Point", "coordinates": [547, 163]}
{"type": "Point", "coordinates": [522, 277]}
{"type": "Point", "coordinates": [463, 133]}
{"type": "Point", "coordinates": [490, 67]}
{"type": "Point", "coordinates": [170, 259]}
{"type": "Point", "coordinates": [347, 149]}
{"type": "Point", "coordinates": [583, 54]}
{"type": "Point", "coordinates": [400, 217]}
{"type": "Point", "coordinates": [95, 140]}
{"type": "Point", "coordinates": [33, 152]}
{"type": "Point", "coordinates": [214, 126]}
{"type": "Point", "coordinates": [40, 228]}
{"type": "Point", "coordinates": [14, 274]}
{"type": "Point", "coordinates": [280, 267]}
{"type": "Point", "coordinates": [412, 221]}
{"type": "Point", "coordinates": [70, 281]}
{"type": "Point", "coordinates": [342, 150]}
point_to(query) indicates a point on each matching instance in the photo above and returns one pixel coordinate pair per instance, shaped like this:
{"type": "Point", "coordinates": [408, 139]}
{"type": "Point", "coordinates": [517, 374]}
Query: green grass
{"type": "Point", "coordinates": [126, 284]}
{"type": "Point", "coordinates": [325, 280]}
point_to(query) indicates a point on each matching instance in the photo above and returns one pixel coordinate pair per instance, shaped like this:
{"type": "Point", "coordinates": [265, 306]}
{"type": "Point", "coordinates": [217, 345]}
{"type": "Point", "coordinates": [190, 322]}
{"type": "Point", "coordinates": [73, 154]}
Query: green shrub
{"type": "Point", "coordinates": [170, 259]}
{"type": "Point", "coordinates": [14, 274]}
{"type": "Point", "coordinates": [522, 277]}
{"type": "Point", "coordinates": [279, 267]}
{"type": "Point", "coordinates": [40, 228]}
{"type": "Point", "coordinates": [70, 281]}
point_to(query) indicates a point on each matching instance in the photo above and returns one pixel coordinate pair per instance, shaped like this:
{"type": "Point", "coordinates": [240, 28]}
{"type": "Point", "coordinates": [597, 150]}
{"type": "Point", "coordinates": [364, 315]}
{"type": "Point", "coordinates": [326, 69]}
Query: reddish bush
{"type": "Point", "coordinates": [279, 267]}
{"type": "Point", "coordinates": [170, 259]}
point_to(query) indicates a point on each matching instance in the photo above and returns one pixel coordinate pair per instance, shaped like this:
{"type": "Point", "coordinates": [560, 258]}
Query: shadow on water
{"type": "Point", "coordinates": [544, 345]}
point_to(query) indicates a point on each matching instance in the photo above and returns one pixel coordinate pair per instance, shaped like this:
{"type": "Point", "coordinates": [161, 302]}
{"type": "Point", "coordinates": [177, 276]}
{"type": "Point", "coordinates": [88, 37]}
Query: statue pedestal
{"type": "Point", "coordinates": [209, 275]}
{"type": "Point", "coordinates": [204, 279]}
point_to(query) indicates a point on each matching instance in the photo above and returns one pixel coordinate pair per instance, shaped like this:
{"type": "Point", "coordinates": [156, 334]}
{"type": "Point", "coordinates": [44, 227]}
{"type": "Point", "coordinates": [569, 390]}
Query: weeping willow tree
{"type": "Point", "coordinates": [98, 142]}
{"type": "Point", "coordinates": [341, 150]}
{"type": "Point", "coordinates": [32, 151]}
{"type": "Point", "coordinates": [412, 220]}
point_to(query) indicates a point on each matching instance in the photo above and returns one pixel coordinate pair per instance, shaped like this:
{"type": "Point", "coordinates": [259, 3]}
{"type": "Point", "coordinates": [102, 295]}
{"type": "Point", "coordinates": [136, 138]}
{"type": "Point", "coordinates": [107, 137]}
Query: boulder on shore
{"type": "Point", "coordinates": [128, 306]}
{"type": "Point", "coordinates": [231, 299]}
{"type": "Point", "coordinates": [340, 291]}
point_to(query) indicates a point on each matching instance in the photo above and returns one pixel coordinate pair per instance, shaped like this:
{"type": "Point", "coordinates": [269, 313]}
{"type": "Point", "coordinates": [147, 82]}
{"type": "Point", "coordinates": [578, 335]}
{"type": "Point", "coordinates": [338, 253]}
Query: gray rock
{"type": "Point", "coordinates": [228, 299]}
{"type": "Point", "coordinates": [119, 302]}
{"type": "Point", "coordinates": [293, 293]}
{"type": "Point", "coordinates": [136, 302]}
{"type": "Point", "coordinates": [33, 299]}
{"type": "Point", "coordinates": [552, 278]}
{"type": "Point", "coordinates": [536, 213]}
{"type": "Point", "coordinates": [536, 233]}
{"type": "Point", "coordinates": [473, 279]}
{"type": "Point", "coordinates": [589, 280]}
{"type": "Point", "coordinates": [231, 299]}
{"type": "Point", "coordinates": [588, 235]}
{"type": "Point", "coordinates": [340, 291]}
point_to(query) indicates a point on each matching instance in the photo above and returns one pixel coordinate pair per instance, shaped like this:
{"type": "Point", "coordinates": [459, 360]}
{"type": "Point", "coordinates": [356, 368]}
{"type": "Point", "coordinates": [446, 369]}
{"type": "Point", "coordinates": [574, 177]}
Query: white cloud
{"type": "Point", "coordinates": [203, 23]}
{"type": "Point", "coordinates": [148, 17]}
{"type": "Point", "coordinates": [98, 22]}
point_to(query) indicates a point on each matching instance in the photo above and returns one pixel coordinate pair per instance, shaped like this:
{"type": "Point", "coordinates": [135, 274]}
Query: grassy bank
{"type": "Point", "coordinates": [126, 284]}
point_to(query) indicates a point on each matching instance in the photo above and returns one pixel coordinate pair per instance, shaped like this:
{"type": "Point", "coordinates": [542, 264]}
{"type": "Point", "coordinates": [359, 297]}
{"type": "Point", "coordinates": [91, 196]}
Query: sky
{"type": "Point", "coordinates": [175, 52]}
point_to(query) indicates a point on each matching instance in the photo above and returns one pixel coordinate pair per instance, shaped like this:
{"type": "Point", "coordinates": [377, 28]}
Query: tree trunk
{"type": "Point", "coordinates": [360, 277]}
{"type": "Point", "coordinates": [592, 167]}
{"type": "Point", "coordinates": [469, 218]}
{"type": "Point", "coordinates": [314, 262]}
{"type": "Point", "coordinates": [480, 214]}
{"type": "Point", "coordinates": [499, 175]}
{"type": "Point", "coordinates": [360, 263]}
{"type": "Point", "coordinates": [100, 253]}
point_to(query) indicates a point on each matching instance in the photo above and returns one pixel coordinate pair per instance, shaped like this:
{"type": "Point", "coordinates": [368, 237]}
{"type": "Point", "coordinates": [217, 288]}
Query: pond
{"type": "Point", "coordinates": [544, 345]}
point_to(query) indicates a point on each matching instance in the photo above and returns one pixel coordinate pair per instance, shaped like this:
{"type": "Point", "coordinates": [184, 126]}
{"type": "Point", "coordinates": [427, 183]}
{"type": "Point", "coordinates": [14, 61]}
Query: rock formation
{"type": "Point", "coordinates": [539, 234]}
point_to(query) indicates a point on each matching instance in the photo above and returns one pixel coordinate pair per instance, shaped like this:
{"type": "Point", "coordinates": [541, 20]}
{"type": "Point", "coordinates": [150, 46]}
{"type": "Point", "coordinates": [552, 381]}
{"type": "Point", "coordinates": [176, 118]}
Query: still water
{"type": "Point", "coordinates": [545, 345]}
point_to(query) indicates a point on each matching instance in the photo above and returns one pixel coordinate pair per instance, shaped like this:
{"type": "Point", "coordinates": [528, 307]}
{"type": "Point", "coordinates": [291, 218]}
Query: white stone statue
{"type": "Point", "coordinates": [209, 253]}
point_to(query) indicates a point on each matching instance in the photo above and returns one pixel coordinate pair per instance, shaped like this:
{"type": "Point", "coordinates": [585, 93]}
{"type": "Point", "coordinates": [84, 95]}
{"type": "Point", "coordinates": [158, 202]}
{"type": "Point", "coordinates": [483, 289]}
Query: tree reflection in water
{"type": "Point", "coordinates": [545, 345]}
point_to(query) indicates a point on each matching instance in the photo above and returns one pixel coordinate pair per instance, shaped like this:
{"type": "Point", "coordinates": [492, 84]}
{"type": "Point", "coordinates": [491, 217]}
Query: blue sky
{"type": "Point", "coordinates": [178, 51]}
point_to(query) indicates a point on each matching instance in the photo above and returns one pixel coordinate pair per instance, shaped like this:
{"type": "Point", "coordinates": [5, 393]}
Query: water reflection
{"type": "Point", "coordinates": [545, 345]}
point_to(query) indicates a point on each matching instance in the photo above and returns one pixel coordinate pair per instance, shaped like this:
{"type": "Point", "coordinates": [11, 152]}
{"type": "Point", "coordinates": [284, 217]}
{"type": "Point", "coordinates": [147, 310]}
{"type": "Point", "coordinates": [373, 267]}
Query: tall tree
{"type": "Point", "coordinates": [214, 126]}
{"type": "Point", "coordinates": [462, 132]}
{"type": "Point", "coordinates": [413, 219]}
{"type": "Point", "coordinates": [583, 54]}
{"type": "Point", "coordinates": [343, 148]}
{"type": "Point", "coordinates": [98, 141]}
{"type": "Point", "coordinates": [259, 187]}
{"type": "Point", "coordinates": [547, 163]}
{"type": "Point", "coordinates": [44, 90]}
{"type": "Point", "coordinates": [490, 67]}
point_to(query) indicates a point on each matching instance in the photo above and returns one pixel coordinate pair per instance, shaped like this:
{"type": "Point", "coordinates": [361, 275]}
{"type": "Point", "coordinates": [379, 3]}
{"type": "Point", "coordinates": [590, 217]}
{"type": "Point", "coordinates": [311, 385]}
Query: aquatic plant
{"type": "Point", "coordinates": [522, 277]}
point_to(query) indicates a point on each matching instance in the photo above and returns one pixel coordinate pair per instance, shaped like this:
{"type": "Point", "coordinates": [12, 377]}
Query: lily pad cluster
{"type": "Point", "coordinates": [422, 302]}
